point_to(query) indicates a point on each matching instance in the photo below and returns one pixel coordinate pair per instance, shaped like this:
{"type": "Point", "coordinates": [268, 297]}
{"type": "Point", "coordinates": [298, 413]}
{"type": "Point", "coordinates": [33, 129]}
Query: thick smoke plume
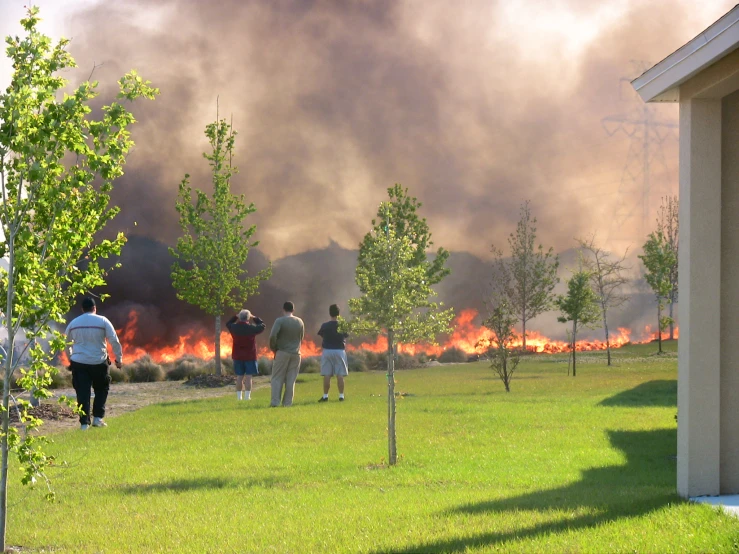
{"type": "Point", "coordinates": [475, 106]}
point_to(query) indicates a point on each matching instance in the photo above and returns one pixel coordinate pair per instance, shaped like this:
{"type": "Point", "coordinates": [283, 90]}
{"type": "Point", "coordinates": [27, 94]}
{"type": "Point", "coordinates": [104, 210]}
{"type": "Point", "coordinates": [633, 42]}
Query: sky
{"type": "Point", "coordinates": [476, 106]}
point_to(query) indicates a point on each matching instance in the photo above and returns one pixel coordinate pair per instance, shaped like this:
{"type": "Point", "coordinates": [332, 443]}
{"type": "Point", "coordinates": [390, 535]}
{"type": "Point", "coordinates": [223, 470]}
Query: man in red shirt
{"type": "Point", "coordinates": [244, 329]}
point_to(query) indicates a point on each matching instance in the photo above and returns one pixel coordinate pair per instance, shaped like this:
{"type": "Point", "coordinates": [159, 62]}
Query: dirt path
{"type": "Point", "coordinates": [127, 397]}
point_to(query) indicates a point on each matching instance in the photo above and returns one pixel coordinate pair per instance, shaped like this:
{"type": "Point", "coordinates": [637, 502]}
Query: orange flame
{"type": "Point", "coordinates": [474, 339]}
{"type": "Point", "coordinates": [467, 336]}
{"type": "Point", "coordinates": [198, 343]}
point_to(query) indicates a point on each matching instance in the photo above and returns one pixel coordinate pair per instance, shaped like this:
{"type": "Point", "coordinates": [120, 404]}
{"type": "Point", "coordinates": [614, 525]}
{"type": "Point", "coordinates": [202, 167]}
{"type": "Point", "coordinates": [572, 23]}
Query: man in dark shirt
{"type": "Point", "coordinates": [244, 329]}
{"type": "Point", "coordinates": [333, 358]}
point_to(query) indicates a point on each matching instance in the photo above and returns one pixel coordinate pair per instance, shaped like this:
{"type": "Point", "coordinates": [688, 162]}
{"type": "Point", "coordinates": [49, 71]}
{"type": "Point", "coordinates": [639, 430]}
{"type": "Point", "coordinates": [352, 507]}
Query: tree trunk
{"type": "Point", "coordinates": [218, 345]}
{"type": "Point", "coordinates": [523, 325]}
{"type": "Point", "coordinates": [574, 352]}
{"type": "Point", "coordinates": [672, 322]}
{"type": "Point", "coordinates": [659, 326]}
{"type": "Point", "coordinates": [391, 442]}
{"type": "Point", "coordinates": [8, 363]}
{"type": "Point", "coordinates": [569, 363]}
{"type": "Point", "coordinates": [33, 400]}
{"type": "Point", "coordinates": [506, 377]}
{"type": "Point", "coordinates": [608, 340]}
{"type": "Point", "coordinates": [4, 452]}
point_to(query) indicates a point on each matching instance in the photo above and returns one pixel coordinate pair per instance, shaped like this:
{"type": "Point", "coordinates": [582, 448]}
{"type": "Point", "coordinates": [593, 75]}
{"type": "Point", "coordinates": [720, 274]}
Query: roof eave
{"type": "Point", "coordinates": [662, 82]}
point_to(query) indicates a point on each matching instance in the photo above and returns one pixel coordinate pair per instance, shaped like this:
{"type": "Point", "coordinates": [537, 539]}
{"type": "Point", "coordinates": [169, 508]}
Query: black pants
{"type": "Point", "coordinates": [84, 376]}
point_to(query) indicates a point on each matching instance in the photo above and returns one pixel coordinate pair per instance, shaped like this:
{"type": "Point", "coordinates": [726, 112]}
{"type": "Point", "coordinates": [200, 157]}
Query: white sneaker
{"type": "Point", "coordinates": [84, 427]}
{"type": "Point", "coordinates": [98, 422]}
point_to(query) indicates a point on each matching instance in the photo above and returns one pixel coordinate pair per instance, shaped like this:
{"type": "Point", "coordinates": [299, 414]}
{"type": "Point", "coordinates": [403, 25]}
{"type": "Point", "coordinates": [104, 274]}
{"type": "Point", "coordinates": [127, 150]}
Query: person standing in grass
{"type": "Point", "coordinates": [88, 361]}
{"type": "Point", "coordinates": [285, 340]}
{"type": "Point", "coordinates": [333, 357]}
{"type": "Point", "coordinates": [244, 329]}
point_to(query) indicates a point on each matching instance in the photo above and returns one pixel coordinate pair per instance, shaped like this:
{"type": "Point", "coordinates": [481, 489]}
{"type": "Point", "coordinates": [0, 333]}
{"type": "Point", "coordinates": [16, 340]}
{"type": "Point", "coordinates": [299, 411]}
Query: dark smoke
{"type": "Point", "coordinates": [314, 280]}
{"type": "Point", "coordinates": [336, 101]}
{"type": "Point", "coordinates": [143, 283]}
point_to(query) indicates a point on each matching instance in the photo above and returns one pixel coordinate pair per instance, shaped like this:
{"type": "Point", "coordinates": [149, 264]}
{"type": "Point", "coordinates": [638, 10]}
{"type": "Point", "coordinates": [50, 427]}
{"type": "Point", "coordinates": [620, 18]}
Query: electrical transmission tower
{"type": "Point", "coordinates": [646, 174]}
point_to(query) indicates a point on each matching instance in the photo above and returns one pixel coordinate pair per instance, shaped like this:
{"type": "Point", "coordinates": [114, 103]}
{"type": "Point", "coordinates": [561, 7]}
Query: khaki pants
{"type": "Point", "coordinates": [285, 368]}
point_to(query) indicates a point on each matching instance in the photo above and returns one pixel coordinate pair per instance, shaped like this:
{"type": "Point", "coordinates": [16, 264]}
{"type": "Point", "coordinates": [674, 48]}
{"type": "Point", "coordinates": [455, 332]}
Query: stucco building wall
{"type": "Point", "coordinates": [703, 76]}
{"type": "Point", "coordinates": [699, 267]}
{"type": "Point", "coordinates": [729, 428]}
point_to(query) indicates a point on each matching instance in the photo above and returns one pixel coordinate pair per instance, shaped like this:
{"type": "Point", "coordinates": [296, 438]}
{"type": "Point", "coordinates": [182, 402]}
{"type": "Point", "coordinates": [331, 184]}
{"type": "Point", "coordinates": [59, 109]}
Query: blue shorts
{"type": "Point", "coordinates": [245, 367]}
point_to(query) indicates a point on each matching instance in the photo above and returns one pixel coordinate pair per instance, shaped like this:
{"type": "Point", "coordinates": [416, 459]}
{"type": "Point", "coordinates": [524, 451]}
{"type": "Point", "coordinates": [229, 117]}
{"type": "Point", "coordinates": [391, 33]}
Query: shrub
{"type": "Point", "coordinates": [264, 364]}
{"type": "Point", "coordinates": [406, 361]}
{"type": "Point", "coordinates": [144, 370]}
{"type": "Point", "coordinates": [356, 363]}
{"type": "Point", "coordinates": [13, 381]}
{"type": "Point", "coordinates": [14, 378]}
{"type": "Point", "coordinates": [227, 366]}
{"type": "Point", "coordinates": [117, 375]}
{"type": "Point", "coordinates": [62, 379]}
{"type": "Point", "coordinates": [186, 368]}
{"type": "Point", "coordinates": [310, 365]}
{"type": "Point", "coordinates": [364, 360]}
{"type": "Point", "coordinates": [375, 360]}
{"type": "Point", "coordinates": [453, 355]}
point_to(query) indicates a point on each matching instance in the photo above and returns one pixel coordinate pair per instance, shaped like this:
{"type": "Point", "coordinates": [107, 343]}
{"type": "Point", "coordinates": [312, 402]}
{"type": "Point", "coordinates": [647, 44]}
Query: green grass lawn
{"type": "Point", "coordinates": [561, 464]}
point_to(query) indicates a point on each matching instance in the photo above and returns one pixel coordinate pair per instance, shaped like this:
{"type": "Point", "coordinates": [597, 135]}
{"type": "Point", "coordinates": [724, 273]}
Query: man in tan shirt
{"type": "Point", "coordinates": [285, 340]}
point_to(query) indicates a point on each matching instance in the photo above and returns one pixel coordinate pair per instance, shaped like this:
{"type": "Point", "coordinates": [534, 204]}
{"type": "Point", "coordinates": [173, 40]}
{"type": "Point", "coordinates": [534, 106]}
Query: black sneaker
{"type": "Point", "coordinates": [341, 398]}
{"type": "Point", "coordinates": [323, 399]}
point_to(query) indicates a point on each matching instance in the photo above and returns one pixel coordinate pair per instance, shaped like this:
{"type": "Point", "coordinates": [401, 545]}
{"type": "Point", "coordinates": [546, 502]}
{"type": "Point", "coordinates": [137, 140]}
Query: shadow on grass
{"type": "Point", "coordinates": [660, 393]}
{"type": "Point", "coordinates": [524, 377]}
{"type": "Point", "coordinates": [208, 405]}
{"type": "Point", "coordinates": [181, 485]}
{"type": "Point", "coordinates": [607, 493]}
{"type": "Point", "coordinates": [201, 483]}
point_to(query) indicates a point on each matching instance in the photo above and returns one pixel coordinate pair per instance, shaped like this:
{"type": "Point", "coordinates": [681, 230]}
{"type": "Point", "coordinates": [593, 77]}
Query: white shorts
{"type": "Point", "coordinates": [333, 362]}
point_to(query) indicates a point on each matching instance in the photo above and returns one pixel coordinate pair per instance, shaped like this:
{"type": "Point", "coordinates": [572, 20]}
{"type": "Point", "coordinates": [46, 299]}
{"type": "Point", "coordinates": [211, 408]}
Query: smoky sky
{"type": "Point", "coordinates": [336, 101]}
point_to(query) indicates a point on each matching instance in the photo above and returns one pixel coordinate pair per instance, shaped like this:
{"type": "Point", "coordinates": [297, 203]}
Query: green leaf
{"type": "Point", "coordinates": [215, 242]}
{"type": "Point", "coordinates": [54, 206]}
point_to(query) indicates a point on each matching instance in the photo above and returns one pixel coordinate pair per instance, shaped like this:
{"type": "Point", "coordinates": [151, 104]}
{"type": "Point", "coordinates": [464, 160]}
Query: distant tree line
{"type": "Point", "coordinates": [522, 287]}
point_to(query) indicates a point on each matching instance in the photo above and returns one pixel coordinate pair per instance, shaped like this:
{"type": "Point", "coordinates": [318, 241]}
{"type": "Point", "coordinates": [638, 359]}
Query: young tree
{"type": "Point", "coordinates": [668, 222]}
{"type": "Point", "coordinates": [606, 278]}
{"type": "Point", "coordinates": [501, 321]}
{"type": "Point", "coordinates": [659, 259]}
{"type": "Point", "coordinates": [505, 357]}
{"type": "Point", "coordinates": [211, 253]}
{"type": "Point", "coordinates": [580, 306]}
{"type": "Point", "coordinates": [57, 166]}
{"type": "Point", "coordinates": [396, 278]}
{"type": "Point", "coordinates": [533, 271]}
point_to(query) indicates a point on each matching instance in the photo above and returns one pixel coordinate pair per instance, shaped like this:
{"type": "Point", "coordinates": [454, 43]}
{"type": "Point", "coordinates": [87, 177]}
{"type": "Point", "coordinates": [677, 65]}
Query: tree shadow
{"type": "Point", "coordinates": [608, 493]}
{"type": "Point", "coordinates": [203, 406]}
{"type": "Point", "coordinates": [199, 483]}
{"type": "Point", "coordinates": [659, 393]}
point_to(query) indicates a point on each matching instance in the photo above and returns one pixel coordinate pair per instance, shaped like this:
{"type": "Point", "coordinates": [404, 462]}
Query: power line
{"type": "Point", "coordinates": [648, 134]}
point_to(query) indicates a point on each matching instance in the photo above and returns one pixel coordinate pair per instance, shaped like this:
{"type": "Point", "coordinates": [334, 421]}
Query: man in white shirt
{"type": "Point", "coordinates": [88, 356]}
